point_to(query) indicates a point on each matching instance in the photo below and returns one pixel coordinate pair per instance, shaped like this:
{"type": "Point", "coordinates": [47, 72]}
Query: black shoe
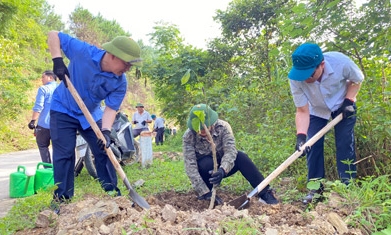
{"type": "Point", "coordinates": [268, 198]}
{"type": "Point", "coordinates": [313, 195]}
{"type": "Point", "coordinates": [208, 196]}
{"type": "Point", "coordinates": [56, 203]}
{"type": "Point", "coordinates": [55, 206]}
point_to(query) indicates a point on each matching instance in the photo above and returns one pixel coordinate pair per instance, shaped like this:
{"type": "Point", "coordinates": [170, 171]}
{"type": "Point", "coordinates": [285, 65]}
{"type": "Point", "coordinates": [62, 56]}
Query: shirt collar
{"type": "Point", "coordinates": [97, 59]}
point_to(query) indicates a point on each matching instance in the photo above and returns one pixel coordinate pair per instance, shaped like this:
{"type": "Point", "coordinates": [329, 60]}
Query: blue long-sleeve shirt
{"type": "Point", "coordinates": [42, 103]}
{"type": "Point", "coordinates": [92, 84]}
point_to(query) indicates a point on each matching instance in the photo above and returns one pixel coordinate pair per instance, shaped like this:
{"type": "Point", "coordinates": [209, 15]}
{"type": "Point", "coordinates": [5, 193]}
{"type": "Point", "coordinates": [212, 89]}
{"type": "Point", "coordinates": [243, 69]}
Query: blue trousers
{"type": "Point", "coordinates": [63, 130]}
{"type": "Point", "coordinates": [159, 136]}
{"type": "Point", "coordinates": [345, 146]}
{"type": "Point", "coordinates": [242, 163]}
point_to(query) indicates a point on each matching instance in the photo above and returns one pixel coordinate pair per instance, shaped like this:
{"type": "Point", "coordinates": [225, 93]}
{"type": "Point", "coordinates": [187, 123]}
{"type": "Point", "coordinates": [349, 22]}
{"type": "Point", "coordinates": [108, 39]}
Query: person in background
{"type": "Point", "coordinates": [166, 132]}
{"type": "Point", "coordinates": [158, 127]}
{"type": "Point", "coordinates": [323, 85]}
{"type": "Point", "coordinates": [41, 112]}
{"type": "Point", "coordinates": [140, 120]}
{"type": "Point", "coordinates": [198, 158]}
{"type": "Point", "coordinates": [97, 75]}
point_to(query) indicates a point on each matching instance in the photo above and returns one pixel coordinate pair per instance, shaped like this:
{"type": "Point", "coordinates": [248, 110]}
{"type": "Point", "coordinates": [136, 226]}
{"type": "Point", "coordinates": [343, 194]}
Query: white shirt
{"type": "Point", "coordinates": [140, 118]}
{"type": "Point", "coordinates": [159, 123]}
{"type": "Point", "coordinates": [328, 95]}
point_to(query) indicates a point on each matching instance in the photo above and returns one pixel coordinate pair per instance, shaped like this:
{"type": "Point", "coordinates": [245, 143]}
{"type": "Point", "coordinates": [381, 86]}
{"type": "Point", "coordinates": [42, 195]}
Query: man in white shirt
{"type": "Point", "coordinates": [323, 85]}
{"type": "Point", "coordinates": [158, 127]}
{"type": "Point", "coordinates": [140, 119]}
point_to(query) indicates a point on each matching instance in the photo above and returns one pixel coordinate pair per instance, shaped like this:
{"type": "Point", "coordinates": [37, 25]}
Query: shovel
{"type": "Point", "coordinates": [132, 193]}
{"type": "Point", "coordinates": [243, 201]}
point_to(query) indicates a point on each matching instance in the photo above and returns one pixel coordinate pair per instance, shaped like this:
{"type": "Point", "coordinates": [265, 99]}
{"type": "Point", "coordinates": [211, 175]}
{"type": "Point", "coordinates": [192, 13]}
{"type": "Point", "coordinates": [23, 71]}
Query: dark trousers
{"type": "Point", "coordinates": [42, 137]}
{"type": "Point", "coordinates": [159, 135]}
{"type": "Point", "coordinates": [242, 163]}
{"type": "Point", "coordinates": [345, 146]}
{"type": "Point", "coordinates": [137, 132]}
{"type": "Point", "coordinates": [63, 130]}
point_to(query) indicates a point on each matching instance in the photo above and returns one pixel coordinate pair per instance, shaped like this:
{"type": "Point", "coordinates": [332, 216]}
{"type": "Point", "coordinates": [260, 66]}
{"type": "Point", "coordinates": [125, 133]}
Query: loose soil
{"type": "Point", "coordinates": [181, 213]}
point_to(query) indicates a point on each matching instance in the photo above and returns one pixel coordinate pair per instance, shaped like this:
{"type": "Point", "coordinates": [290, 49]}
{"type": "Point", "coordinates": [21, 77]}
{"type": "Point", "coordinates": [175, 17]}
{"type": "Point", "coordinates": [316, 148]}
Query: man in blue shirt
{"type": "Point", "coordinates": [97, 75]}
{"type": "Point", "coordinates": [323, 85]}
{"type": "Point", "coordinates": [41, 111]}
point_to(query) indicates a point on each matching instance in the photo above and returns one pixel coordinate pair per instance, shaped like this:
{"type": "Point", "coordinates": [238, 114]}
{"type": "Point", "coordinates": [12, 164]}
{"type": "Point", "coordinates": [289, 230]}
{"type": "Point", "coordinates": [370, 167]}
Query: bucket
{"type": "Point", "coordinates": [44, 177]}
{"type": "Point", "coordinates": [146, 148]}
{"type": "Point", "coordinates": [21, 184]}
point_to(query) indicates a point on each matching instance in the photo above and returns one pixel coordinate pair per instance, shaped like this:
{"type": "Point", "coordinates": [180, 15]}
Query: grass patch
{"type": "Point", "coordinates": [368, 199]}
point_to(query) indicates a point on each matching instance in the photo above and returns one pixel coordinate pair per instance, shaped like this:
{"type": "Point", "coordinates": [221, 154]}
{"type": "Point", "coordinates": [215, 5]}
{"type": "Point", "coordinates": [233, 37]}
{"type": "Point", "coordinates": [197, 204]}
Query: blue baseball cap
{"type": "Point", "coordinates": [305, 59]}
{"type": "Point", "coordinates": [153, 116]}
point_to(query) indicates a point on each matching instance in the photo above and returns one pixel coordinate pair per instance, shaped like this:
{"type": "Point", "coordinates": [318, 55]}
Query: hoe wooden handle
{"type": "Point", "coordinates": [136, 198]}
{"type": "Point", "coordinates": [294, 156]}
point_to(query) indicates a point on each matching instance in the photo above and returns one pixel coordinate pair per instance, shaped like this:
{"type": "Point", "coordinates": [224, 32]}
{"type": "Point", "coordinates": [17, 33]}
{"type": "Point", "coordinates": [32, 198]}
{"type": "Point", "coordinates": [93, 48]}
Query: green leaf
{"type": "Point", "coordinates": [313, 185]}
{"type": "Point", "coordinates": [185, 77]}
{"type": "Point", "coordinates": [308, 20]}
{"type": "Point", "coordinates": [332, 4]}
{"type": "Point", "coordinates": [201, 115]}
{"type": "Point", "coordinates": [198, 120]}
{"type": "Point", "coordinates": [383, 232]}
{"type": "Point", "coordinates": [299, 8]}
{"type": "Point", "coordinates": [196, 124]}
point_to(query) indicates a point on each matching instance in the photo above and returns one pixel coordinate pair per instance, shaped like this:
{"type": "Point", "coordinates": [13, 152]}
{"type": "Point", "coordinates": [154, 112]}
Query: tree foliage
{"type": "Point", "coordinates": [171, 60]}
{"type": "Point", "coordinates": [93, 29]}
{"type": "Point", "coordinates": [242, 74]}
{"type": "Point", "coordinates": [23, 48]}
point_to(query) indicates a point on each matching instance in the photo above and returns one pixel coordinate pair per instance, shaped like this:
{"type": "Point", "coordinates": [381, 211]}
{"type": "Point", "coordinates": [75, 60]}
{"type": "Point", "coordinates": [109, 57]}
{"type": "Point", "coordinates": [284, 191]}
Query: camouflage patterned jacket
{"type": "Point", "coordinates": [195, 147]}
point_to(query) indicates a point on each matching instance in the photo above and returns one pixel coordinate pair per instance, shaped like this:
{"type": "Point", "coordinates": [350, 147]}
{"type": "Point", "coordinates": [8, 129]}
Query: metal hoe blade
{"type": "Point", "coordinates": [245, 201]}
{"type": "Point", "coordinates": [240, 202]}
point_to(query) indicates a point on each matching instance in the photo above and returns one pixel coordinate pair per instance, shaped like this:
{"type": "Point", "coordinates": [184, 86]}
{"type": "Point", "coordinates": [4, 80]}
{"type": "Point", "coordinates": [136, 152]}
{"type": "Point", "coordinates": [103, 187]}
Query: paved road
{"type": "Point", "coordinates": [9, 163]}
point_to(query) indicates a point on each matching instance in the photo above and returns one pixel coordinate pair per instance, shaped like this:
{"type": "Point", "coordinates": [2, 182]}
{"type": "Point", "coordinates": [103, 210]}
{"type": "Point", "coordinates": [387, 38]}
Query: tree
{"type": "Point", "coordinates": [166, 67]}
{"type": "Point", "coordinates": [7, 10]}
{"type": "Point", "coordinates": [93, 29]}
{"type": "Point", "coordinates": [51, 21]}
{"type": "Point", "coordinates": [251, 27]}
{"type": "Point", "coordinates": [84, 26]}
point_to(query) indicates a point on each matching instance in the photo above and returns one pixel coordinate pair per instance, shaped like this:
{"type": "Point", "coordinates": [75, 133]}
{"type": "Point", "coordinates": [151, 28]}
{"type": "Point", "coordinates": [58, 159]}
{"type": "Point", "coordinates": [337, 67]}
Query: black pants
{"type": "Point", "coordinates": [42, 136]}
{"type": "Point", "coordinates": [242, 163]}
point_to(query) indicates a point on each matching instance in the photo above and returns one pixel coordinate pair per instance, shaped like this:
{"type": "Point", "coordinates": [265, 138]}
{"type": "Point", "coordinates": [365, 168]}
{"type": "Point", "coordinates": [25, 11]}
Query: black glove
{"type": "Point", "coordinates": [346, 108]}
{"type": "Point", "coordinates": [31, 124]}
{"type": "Point", "coordinates": [300, 141]}
{"type": "Point", "coordinates": [217, 176]}
{"type": "Point", "coordinates": [135, 122]}
{"type": "Point", "coordinates": [144, 123]}
{"type": "Point", "coordinates": [109, 140]}
{"type": "Point", "coordinates": [60, 69]}
{"type": "Point", "coordinates": [208, 196]}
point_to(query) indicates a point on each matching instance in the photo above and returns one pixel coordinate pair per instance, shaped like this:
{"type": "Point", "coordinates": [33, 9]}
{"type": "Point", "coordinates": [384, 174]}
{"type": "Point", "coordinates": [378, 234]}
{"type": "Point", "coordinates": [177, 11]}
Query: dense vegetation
{"type": "Point", "coordinates": [242, 74]}
{"type": "Point", "coordinates": [252, 55]}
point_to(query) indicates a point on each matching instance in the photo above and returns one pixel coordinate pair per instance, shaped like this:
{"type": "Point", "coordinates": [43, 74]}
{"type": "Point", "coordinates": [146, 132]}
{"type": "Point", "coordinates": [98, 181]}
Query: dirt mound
{"type": "Point", "coordinates": [176, 213]}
